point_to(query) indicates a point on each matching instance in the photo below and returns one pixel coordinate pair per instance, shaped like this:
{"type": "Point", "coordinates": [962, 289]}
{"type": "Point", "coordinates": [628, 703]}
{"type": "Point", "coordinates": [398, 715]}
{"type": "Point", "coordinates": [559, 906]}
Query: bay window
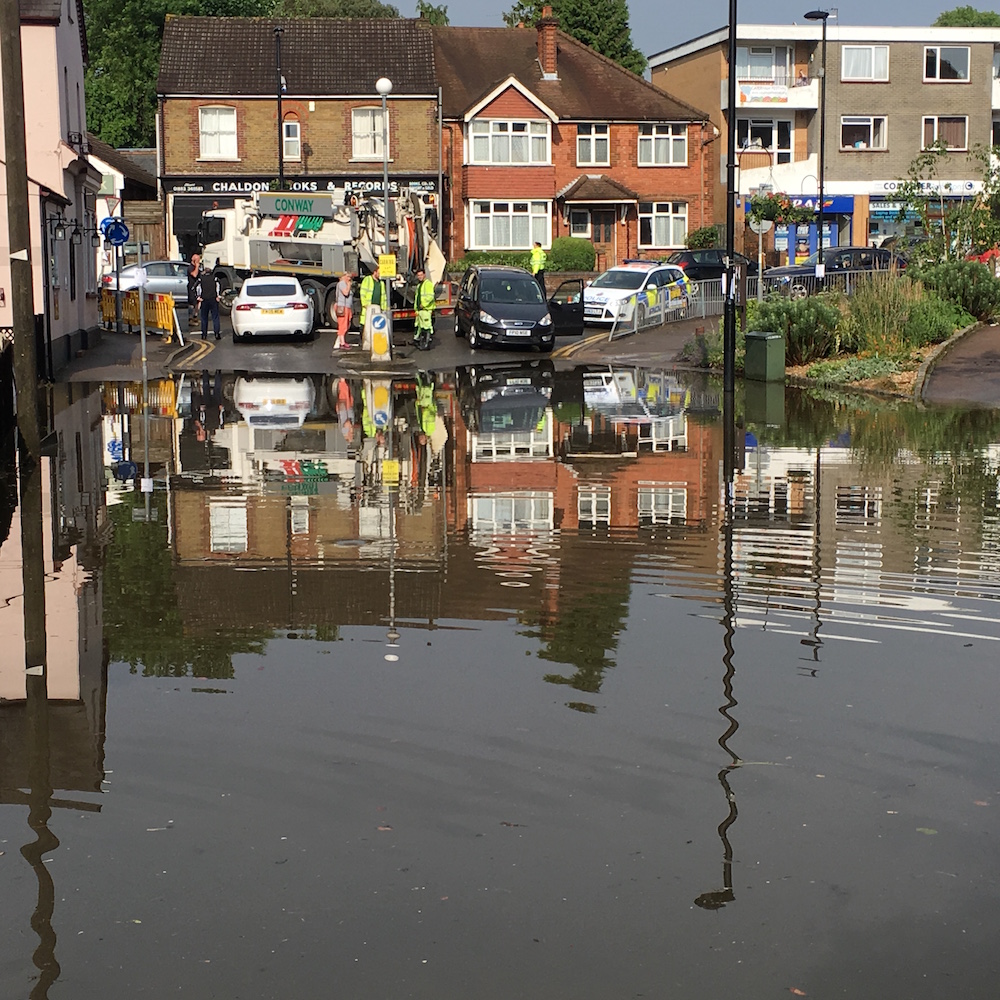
{"type": "Point", "coordinates": [493, 141]}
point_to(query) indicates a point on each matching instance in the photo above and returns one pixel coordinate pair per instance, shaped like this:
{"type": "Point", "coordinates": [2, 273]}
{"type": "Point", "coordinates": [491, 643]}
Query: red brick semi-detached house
{"type": "Point", "coordinates": [544, 137]}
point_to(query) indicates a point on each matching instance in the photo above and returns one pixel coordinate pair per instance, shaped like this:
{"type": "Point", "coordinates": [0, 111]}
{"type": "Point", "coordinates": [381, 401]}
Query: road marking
{"type": "Point", "coordinates": [570, 349]}
{"type": "Point", "coordinates": [201, 351]}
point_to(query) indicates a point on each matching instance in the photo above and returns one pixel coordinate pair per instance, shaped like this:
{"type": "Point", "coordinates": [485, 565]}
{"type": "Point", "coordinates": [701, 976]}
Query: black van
{"type": "Point", "coordinates": [505, 306]}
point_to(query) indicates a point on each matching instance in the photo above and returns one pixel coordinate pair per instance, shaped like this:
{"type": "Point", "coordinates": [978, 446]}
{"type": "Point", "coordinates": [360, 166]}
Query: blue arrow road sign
{"type": "Point", "coordinates": [116, 233]}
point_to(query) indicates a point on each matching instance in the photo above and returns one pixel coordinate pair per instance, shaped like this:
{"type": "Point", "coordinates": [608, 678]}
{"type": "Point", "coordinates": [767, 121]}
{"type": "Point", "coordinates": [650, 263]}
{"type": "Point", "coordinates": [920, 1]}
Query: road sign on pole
{"type": "Point", "coordinates": [116, 233]}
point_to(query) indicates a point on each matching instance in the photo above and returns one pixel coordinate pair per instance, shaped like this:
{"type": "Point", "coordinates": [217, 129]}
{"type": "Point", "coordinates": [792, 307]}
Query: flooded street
{"type": "Point", "coordinates": [483, 684]}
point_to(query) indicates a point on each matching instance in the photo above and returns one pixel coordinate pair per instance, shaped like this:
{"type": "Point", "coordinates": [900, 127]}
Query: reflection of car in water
{"type": "Point", "coordinates": [274, 402]}
{"type": "Point", "coordinates": [504, 398]}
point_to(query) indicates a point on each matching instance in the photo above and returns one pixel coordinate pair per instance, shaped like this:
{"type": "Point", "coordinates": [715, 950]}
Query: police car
{"type": "Point", "coordinates": [637, 288]}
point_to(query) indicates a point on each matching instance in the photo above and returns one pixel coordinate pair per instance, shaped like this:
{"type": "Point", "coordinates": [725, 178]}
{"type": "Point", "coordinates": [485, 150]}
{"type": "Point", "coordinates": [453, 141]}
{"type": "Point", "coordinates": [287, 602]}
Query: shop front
{"type": "Point", "coordinates": [188, 198]}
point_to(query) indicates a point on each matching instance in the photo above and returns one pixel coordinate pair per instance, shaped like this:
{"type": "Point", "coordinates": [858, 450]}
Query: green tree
{"type": "Point", "coordinates": [601, 24]}
{"type": "Point", "coordinates": [334, 8]}
{"type": "Point", "coordinates": [967, 17]}
{"type": "Point", "coordinates": [429, 12]}
{"type": "Point", "coordinates": [123, 39]}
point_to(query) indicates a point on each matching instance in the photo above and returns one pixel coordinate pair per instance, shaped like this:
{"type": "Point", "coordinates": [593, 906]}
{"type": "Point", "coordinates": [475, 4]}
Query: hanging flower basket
{"type": "Point", "coordinates": [778, 208]}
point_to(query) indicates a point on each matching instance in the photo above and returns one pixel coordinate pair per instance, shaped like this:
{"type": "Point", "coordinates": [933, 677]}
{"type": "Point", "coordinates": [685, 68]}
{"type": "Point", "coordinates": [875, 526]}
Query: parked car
{"type": "Point", "coordinates": [635, 286]}
{"type": "Point", "coordinates": [273, 306]}
{"type": "Point", "coordinates": [505, 306]}
{"type": "Point", "coordinates": [708, 264]}
{"type": "Point", "coordinates": [276, 403]}
{"type": "Point", "coordinates": [163, 277]}
{"type": "Point", "coordinates": [798, 280]}
{"type": "Point", "coordinates": [508, 397]}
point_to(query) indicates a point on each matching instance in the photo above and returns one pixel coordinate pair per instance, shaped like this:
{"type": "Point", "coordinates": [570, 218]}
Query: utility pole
{"type": "Point", "coordinates": [25, 359]}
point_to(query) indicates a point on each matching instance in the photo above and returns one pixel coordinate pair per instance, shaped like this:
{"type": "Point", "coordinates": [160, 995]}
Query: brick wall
{"type": "Point", "coordinates": [326, 133]}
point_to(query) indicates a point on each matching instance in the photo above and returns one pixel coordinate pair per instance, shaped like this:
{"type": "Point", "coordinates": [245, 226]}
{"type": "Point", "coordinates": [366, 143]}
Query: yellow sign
{"type": "Point", "coordinates": [387, 265]}
{"type": "Point", "coordinates": [390, 470]}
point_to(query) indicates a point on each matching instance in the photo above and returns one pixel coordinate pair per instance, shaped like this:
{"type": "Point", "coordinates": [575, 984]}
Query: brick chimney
{"type": "Point", "coordinates": [547, 27]}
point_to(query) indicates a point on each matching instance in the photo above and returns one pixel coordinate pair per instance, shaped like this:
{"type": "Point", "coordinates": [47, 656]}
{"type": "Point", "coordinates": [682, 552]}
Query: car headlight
{"type": "Point", "coordinates": [546, 320]}
{"type": "Point", "coordinates": [485, 317]}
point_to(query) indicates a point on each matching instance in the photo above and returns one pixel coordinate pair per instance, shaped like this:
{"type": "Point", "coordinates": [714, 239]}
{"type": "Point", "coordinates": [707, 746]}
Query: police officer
{"type": "Point", "coordinates": [424, 301]}
{"type": "Point", "coordinates": [537, 264]}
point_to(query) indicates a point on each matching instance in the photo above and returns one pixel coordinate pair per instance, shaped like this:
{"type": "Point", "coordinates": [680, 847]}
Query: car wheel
{"type": "Point", "coordinates": [473, 335]}
{"type": "Point", "coordinates": [330, 310]}
{"type": "Point", "coordinates": [797, 290]}
{"type": "Point", "coordinates": [237, 337]}
{"type": "Point", "coordinates": [317, 293]}
{"type": "Point", "coordinates": [640, 315]}
{"type": "Point", "coordinates": [546, 345]}
{"type": "Point", "coordinates": [458, 325]}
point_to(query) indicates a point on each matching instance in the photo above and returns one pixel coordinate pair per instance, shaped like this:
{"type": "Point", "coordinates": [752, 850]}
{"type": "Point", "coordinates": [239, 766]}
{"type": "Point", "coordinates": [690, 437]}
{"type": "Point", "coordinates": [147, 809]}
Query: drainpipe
{"type": "Point", "coordinates": [440, 200]}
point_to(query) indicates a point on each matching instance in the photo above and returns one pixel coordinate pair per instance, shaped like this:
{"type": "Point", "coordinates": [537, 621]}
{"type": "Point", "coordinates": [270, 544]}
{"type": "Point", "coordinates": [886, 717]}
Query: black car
{"type": "Point", "coordinates": [708, 264]}
{"type": "Point", "coordinates": [840, 263]}
{"type": "Point", "coordinates": [505, 306]}
{"type": "Point", "coordinates": [503, 398]}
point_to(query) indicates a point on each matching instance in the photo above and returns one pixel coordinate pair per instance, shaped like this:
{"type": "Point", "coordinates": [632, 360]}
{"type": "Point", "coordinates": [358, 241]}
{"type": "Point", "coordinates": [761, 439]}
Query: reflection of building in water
{"type": "Point", "coordinates": [75, 534]}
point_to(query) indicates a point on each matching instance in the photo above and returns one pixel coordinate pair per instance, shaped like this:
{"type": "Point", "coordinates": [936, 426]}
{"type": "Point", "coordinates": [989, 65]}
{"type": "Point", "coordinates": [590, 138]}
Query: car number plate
{"type": "Point", "coordinates": [593, 312]}
{"type": "Point", "coordinates": [273, 312]}
{"type": "Point", "coordinates": [518, 333]}
{"type": "Point", "coordinates": [519, 381]}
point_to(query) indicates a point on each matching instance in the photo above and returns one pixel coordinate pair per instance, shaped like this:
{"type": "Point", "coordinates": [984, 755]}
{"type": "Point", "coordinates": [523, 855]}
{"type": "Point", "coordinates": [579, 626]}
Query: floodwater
{"type": "Point", "coordinates": [485, 685]}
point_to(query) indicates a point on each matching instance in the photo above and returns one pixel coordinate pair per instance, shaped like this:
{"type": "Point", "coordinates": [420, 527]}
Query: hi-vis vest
{"type": "Point", "coordinates": [537, 260]}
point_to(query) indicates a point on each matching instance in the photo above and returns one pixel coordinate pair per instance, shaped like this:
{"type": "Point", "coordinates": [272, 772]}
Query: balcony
{"type": "Point", "coordinates": [775, 91]}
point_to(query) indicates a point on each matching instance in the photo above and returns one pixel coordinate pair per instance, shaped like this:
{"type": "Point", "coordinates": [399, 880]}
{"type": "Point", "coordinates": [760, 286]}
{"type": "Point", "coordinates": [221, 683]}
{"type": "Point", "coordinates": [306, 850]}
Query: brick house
{"type": "Point", "coordinates": [544, 137]}
{"type": "Point", "coordinates": [218, 103]}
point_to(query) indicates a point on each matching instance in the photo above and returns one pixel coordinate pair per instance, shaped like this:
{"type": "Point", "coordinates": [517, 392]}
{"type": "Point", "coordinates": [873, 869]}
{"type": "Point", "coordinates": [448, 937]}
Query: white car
{"type": "Point", "coordinates": [272, 306]}
{"type": "Point", "coordinates": [274, 403]}
{"type": "Point", "coordinates": [642, 285]}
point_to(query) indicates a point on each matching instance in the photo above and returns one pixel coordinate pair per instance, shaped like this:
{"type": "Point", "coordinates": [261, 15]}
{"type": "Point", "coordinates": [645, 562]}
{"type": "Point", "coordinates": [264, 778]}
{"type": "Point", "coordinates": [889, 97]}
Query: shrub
{"type": "Point", "coordinates": [569, 253]}
{"type": "Point", "coordinates": [699, 239]}
{"type": "Point", "coordinates": [933, 320]}
{"type": "Point", "coordinates": [875, 314]}
{"type": "Point", "coordinates": [808, 325]}
{"type": "Point", "coordinates": [967, 283]}
{"type": "Point", "coordinates": [851, 370]}
{"type": "Point", "coordinates": [506, 258]}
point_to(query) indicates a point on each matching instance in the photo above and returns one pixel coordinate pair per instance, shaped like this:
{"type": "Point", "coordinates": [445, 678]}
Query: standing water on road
{"type": "Point", "coordinates": [483, 684]}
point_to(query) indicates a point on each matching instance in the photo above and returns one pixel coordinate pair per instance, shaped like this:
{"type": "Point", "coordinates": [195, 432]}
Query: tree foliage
{"type": "Point", "coordinates": [601, 24]}
{"type": "Point", "coordinates": [431, 13]}
{"type": "Point", "coordinates": [967, 17]}
{"type": "Point", "coordinates": [334, 8]}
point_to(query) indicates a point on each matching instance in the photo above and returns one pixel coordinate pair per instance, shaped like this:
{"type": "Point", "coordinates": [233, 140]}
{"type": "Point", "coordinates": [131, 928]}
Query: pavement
{"type": "Point", "coordinates": [964, 372]}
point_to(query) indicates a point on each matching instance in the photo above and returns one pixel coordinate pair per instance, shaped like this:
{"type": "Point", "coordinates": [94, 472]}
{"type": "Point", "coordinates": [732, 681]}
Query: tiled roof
{"type": "Point", "coordinates": [470, 62]}
{"type": "Point", "coordinates": [597, 187]}
{"type": "Point", "coordinates": [123, 163]}
{"type": "Point", "coordinates": [235, 56]}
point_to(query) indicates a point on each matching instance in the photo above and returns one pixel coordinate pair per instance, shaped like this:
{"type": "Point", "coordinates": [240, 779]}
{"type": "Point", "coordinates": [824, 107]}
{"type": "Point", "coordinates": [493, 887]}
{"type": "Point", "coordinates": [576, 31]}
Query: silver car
{"type": "Point", "coordinates": [163, 277]}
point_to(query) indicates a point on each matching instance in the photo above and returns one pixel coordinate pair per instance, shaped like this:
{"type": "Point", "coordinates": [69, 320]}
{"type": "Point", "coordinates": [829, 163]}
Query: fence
{"type": "Point", "coordinates": [160, 312]}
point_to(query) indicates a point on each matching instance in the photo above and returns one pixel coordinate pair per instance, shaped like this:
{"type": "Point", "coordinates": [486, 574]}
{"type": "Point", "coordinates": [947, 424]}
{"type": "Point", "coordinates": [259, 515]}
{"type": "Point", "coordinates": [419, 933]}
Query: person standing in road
{"type": "Point", "coordinates": [424, 301]}
{"type": "Point", "coordinates": [193, 276]}
{"type": "Point", "coordinates": [537, 264]}
{"type": "Point", "coordinates": [371, 292]}
{"type": "Point", "coordinates": [344, 308]}
{"type": "Point", "coordinates": [208, 302]}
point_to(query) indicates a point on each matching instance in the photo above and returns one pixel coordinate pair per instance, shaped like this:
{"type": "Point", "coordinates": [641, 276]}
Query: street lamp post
{"type": "Point", "coordinates": [280, 85]}
{"type": "Point", "coordinates": [821, 15]}
{"type": "Point", "coordinates": [384, 87]}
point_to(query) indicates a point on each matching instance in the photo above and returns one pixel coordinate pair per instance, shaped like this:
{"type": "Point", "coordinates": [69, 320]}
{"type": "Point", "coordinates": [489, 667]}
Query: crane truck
{"type": "Point", "coordinates": [317, 237]}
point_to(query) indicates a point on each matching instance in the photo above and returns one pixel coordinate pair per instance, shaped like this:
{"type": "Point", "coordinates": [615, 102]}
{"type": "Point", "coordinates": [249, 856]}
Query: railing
{"type": "Point", "coordinates": [708, 299]}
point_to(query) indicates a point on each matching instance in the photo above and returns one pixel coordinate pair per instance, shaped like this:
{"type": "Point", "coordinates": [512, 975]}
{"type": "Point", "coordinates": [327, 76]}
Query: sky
{"type": "Point", "coordinates": [658, 25]}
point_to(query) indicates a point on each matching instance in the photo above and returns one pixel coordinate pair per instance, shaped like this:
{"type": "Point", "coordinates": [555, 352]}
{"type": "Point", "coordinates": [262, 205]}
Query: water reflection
{"type": "Point", "coordinates": [558, 506]}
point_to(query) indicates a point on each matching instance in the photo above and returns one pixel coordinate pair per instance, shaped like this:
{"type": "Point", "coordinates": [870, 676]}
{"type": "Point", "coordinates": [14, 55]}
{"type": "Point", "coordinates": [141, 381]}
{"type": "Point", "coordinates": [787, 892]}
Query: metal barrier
{"type": "Point", "coordinates": [161, 314]}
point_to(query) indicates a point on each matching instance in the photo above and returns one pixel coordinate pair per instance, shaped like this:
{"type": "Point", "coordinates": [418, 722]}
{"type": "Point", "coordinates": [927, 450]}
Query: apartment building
{"type": "Point", "coordinates": [891, 92]}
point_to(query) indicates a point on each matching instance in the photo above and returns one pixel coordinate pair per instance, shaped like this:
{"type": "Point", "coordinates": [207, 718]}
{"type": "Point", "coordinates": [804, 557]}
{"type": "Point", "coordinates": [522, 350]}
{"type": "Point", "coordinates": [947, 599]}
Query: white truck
{"type": "Point", "coordinates": [316, 237]}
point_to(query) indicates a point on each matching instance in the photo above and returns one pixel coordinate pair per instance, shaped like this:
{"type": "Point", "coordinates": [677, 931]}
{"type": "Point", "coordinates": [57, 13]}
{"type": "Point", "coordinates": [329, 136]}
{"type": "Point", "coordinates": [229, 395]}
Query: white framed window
{"type": "Point", "coordinates": [764, 63]}
{"type": "Point", "coordinates": [510, 225]}
{"type": "Point", "coordinates": [512, 513]}
{"type": "Point", "coordinates": [513, 142]}
{"type": "Point", "coordinates": [864, 62]}
{"type": "Point", "coordinates": [663, 145]}
{"type": "Point", "coordinates": [774, 134]}
{"type": "Point", "coordinates": [663, 223]}
{"type": "Point", "coordinates": [592, 145]}
{"type": "Point", "coordinates": [593, 505]}
{"type": "Point", "coordinates": [366, 131]}
{"type": "Point", "coordinates": [217, 133]}
{"type": "Point", "coordinates": [579, 222]}
{"type": "Point", "coordinates": [952, 130]}
{"type": "Point", "coordinates": [291, 135]}
{"type": "Point", "coordinates": [946, 63]}
{"type": "Point", "coordinates": [863, 132]}
{"type": "Point", "coordinates": [662, 505]}
{"type": "Point", "coordinates": [227, 525]}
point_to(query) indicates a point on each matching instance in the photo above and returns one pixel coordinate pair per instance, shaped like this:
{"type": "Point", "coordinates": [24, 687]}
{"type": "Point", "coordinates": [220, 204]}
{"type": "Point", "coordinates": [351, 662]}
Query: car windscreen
{"type": "Point", "coordinates": [676, 257]}
{"type": "Point", "coordinates": [620, 279]}
{"type": "Point", "coordinates": [515, 289]}
{"type": "Point", "coordinates": [269, 289]}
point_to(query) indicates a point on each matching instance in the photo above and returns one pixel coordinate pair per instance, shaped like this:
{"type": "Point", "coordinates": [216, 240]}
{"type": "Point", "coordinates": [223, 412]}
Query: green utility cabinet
{"type": "Point", "coordinates": [765, 357]}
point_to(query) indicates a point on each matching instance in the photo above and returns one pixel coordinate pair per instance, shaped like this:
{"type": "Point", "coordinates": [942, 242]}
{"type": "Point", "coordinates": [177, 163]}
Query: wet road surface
{"type": "Point", "coordinates": [476, 685]}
